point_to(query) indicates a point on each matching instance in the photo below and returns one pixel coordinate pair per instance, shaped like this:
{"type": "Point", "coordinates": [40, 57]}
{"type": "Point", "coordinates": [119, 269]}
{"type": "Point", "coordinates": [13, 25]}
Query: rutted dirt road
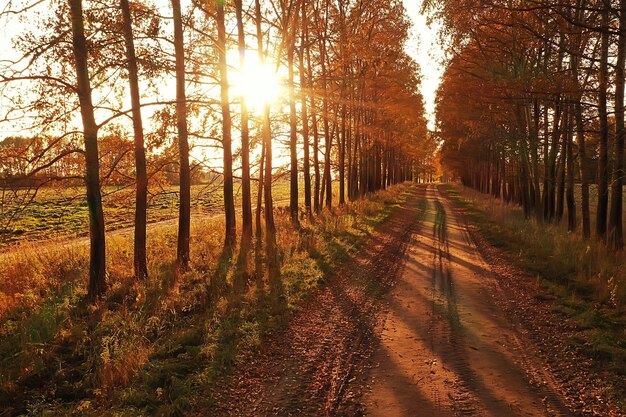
{"type": "Point", "coordinates": [437, 343]}
{"type": "Point", "coordinates": [445, 348]}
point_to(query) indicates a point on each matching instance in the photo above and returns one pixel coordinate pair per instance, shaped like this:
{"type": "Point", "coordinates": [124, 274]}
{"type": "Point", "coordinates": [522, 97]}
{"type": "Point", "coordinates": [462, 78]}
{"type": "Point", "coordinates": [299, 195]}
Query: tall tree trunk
{"type": "Point", "coordinates": [304, 92]}
{"type": "Point", "coordinates": [571, 202]}
{"type": "Point", "coordinates": [615, 231]}
{"type": "Point", "coordinates": [560, 206]}
{"type": "Point", "coordinates": [603, 144]}
{"type": "Point", "coordinates": [552, 160]}
{"type": "Point", "coordinates": [582, 161]}
{"type": "Point", "coordinates": [328, 138]}
{"type": "Point", "coordinates": [342, 156]}
{"type": "Point", "coordinates": [546, 161]}
{"type": "Point", "coordinates": [141, 193]}
{"type": "Point", "coordinates": [229, 199]}
{"type": "Point", "coordinates": [270, 226]}
{"type": "Point", "coordinates": [293, 134]}
{"type": "Point", "coordinates": [534, 146]}
{"type": "Point", "coordinates": [246, 198]}
{"type": "Point", "coordinates": [184, 214]}
{"type": "Point", "coordinates": [97, 248]}
{"type": "Point", "coordinates": [316, 165]}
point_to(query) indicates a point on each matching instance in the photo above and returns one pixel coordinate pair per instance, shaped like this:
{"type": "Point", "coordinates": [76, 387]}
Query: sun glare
{"type": "Point", "coordinates": [260, 83]}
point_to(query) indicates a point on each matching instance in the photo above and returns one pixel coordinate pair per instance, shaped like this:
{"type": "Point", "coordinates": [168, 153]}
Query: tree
{"type": "Point", "coordinates": [141, 176]}
{"type": "Point", "coordinates": [97, 255]}
{"type": "Point", "coordinates": [270, 225]}
{"type": "Point", "coordinates": [246, 199]}
{"type": "Point", "coordinates": [184, 216]}
{"type": "Point", "coordinates": [229, 199]}
{"type": "Point", "coordinates": [616, 227]}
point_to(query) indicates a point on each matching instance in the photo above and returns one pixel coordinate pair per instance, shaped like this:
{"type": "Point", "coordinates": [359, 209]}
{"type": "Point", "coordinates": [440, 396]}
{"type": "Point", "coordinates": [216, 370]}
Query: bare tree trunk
{"type": "Point", "coordinates": [560, 196]}
{"type": "Point", "coordinates": [246, 198]}
{"type": "Point", "coordinates": [603, 170]}
{"type": "Point", "coordinates": [258, 258]}
{"type": "Point", "coordinates": [616, 232]}
{"type": "Point", "coordinates": [316, 164]}
{"type": "Point", "coordinates": [304, 86]}
{"type": "Point", "coordinates": [97, 252]}
{"type": "Point", "coordinates": [293, 134]}
{"type": "Point", "coordinates": [229, 199]}
{"type": "Point", "coordinates": [141, 194]}
{"type": "Point", "coordinates": [534, 145]}
{"type": "Point", "coordinates": [584, 180]}
{"type": "Point", "coordinates": [184, 215]}
{"type": "Point", "coordinates": [571, 202]}
{"type": "Point", "coordinates": [270, 226]}
{"type": "Point", "coordinates": [342, 156]}
{"type": "Point", "coordinates": [328, 140]}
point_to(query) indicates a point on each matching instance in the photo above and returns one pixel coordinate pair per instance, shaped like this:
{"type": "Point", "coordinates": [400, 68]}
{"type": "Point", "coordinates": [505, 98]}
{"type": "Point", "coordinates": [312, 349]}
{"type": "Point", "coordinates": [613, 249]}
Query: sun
{"type": "Point", "coordinates": [260, 83]}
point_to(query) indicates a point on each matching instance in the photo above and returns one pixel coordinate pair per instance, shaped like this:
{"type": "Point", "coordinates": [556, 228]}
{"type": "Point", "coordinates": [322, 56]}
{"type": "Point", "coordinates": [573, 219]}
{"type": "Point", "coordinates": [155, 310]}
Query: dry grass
{"type": "Point", "coordinates": [156, 347]}
{"type": "Point", "coordinates": [589, 281]}
{"type": "Point", "coordinates": [563, 256]}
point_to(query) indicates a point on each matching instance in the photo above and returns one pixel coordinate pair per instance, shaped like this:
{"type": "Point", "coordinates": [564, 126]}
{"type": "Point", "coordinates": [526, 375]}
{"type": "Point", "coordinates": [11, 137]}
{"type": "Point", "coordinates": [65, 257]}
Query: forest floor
{"type": "Point", "coordinates": [426, 320]}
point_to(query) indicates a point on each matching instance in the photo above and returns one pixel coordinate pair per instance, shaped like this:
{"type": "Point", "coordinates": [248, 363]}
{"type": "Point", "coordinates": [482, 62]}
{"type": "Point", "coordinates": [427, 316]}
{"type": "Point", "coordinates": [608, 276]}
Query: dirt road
{"type": "Point", "coordinates": [446, 349]}
{"type": "Point", "coordinates": [435, 344]}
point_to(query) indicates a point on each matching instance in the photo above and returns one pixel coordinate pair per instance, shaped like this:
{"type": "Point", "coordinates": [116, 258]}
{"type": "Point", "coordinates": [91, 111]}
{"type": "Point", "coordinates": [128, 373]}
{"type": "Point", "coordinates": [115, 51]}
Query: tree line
{"type": "Point", "coordinates": [532, 104]}
{"type": "Point", "coordinates": [92, 69]}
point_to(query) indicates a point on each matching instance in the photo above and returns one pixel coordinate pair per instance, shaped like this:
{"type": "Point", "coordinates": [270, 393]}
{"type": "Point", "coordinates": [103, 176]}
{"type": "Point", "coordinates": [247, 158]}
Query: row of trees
{"type": "Point", "coordinates": [351, 108]}
{"type": "Point", "coordinates": [533, 103]}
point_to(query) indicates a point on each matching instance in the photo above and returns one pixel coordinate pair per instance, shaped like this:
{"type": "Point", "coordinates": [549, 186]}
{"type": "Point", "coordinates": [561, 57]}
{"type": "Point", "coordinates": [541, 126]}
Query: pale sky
{"type": "Point", "coordinates": [425, 47]}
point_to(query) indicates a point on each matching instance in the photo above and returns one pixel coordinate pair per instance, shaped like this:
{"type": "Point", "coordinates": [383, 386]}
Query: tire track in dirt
{"type": "Point", "coordinates": [317, 366]}
{"type": "Point", "coordinates": [581, 382]}
{"type": "Point", "coordinates": [445, 348]}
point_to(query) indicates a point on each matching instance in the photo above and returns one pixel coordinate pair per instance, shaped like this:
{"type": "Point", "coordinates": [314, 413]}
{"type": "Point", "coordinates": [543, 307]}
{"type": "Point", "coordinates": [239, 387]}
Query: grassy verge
{"type": "Point", "coordinates": [158, 348]}
{"type": "Point", "coordinates": [587, 281]}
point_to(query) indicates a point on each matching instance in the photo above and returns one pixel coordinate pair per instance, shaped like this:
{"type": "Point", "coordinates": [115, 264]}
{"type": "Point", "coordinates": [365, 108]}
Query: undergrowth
{"type": "Point", "coordinates": [157, 348]}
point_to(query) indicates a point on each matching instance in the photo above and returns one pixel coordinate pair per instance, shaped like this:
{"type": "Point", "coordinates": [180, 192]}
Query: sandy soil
{"type": "Point", "coordinates": [445, 334]}
{"type": "Point", "coordinates": [446, 348]}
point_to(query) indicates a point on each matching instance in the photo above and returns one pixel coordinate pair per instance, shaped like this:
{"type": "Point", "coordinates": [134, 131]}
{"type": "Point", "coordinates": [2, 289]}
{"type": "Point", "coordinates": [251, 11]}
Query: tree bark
{"type": "Point", "coordinates": [141, 192]}
{"type": "Point", "coordinates": [304, 86]}
{"type": "Point", "coordinates": [615, 230]}
{"type": "Point", "coordinates": [293, 133]}
{"type": "Point", "coordinates": [246, 198]}
{"type": "Point", "coordinates": [230, 237]}
{"type": "Point", "coordinates": [316, 164]}
{"type": "Point", "coordinates": [184, 215]}
{"type": "Point", "coordinates": [571, 202]}
{"type": "Point", "coordinates": [270, 226]}
{"type": "Point", "coordinates": [603, 170]}
{"type": "Point", "coordinates": [97, 248]}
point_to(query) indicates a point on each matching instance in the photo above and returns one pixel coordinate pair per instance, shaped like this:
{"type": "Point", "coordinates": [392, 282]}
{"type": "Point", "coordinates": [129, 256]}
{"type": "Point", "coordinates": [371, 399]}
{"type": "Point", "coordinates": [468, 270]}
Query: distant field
{"type": "Point", "coordinates": [62, 212]}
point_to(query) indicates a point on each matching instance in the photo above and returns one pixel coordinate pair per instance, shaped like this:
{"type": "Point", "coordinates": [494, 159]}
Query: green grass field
{"type": "Point", "coordinates": [62, 212]}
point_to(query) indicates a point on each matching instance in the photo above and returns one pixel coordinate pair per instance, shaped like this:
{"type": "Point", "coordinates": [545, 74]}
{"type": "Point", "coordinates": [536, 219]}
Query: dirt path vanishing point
{"type": "Point", "coordinates": [445, 348]}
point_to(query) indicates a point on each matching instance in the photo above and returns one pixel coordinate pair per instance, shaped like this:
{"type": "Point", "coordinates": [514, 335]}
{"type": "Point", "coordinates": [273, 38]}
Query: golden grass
{"type": "Point", "coordinates": [126, 348]}
{"type": "Point", "coordinates": [556, 252]}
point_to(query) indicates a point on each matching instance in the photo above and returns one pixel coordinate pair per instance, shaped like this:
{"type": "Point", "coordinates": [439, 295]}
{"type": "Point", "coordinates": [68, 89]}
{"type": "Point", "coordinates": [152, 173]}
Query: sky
{"type": "Point", "coordinates": [425, 47]}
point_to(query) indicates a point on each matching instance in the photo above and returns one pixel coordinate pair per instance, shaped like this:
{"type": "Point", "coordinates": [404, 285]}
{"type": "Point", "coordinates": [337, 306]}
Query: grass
{"type": "Point", "coordinates": [62, 212]}
{"type": "Point", "coordinates": [158, 348]}
{"type": "Point", "coordinates": [587, 281]}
